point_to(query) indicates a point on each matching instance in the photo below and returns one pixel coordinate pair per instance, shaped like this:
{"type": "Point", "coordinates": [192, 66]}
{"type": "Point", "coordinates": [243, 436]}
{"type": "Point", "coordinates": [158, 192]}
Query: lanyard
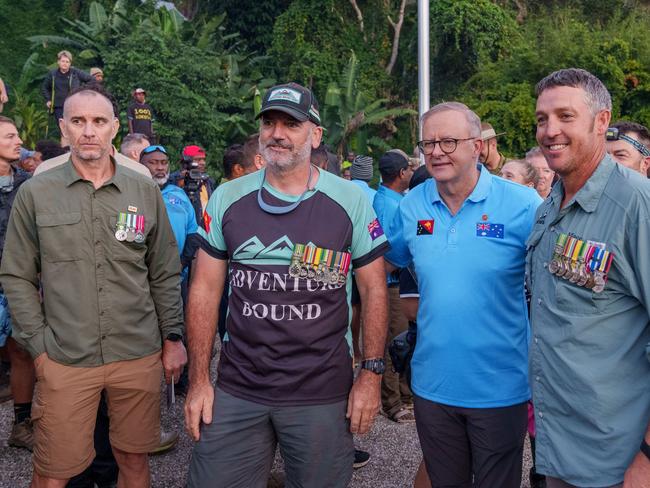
{"type": "Point", "coordinates": [280, 210]}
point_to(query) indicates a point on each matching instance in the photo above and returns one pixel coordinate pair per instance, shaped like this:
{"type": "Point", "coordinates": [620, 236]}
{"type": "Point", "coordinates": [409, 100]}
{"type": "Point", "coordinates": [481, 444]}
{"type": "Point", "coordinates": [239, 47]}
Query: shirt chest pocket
{"type": "Point", "coordinates": [125, 250]}
{"type": "Point", "coordinates": [61, 236]}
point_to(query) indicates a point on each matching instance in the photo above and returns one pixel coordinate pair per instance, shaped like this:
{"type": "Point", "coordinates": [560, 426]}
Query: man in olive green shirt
{"type": "Point", "coordinates": [98, 237]}
{"type": "Point", "coordinates": [588, 271]}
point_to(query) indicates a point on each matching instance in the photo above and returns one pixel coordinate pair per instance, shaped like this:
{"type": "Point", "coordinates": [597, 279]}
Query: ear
{"type": "Point", "coordinates": [237, 171]}
{"type": "Point", "coordinates": [478, 146]}
{"type": "Point", "coordinates": [601, 122]}
{"type": "Point", "coordinates": [62, 127]}
{"type": "Point", "coordinates": [645, 164]}
{"type": "Point", "coordinates": [316, 137]}
{"type": "Point", "coordinates": [259, 161]}
{"type": "Point", "coordinates": [116, 127]}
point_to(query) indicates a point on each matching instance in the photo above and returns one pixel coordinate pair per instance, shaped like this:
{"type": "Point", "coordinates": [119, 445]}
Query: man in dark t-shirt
{"type": "Point", "coordinates": [141, 116]}
{"type": "Point", "coordinates": [287, 238]}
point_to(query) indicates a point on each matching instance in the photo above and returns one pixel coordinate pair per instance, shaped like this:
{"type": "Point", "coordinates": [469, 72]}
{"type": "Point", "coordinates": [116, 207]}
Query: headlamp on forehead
{"type": "Point", "coordinates": [613, 134]}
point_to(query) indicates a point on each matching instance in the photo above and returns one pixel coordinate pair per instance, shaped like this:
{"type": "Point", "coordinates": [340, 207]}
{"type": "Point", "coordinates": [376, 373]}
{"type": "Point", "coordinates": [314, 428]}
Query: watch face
{"type": "Point", "coordinates": [377, 366]}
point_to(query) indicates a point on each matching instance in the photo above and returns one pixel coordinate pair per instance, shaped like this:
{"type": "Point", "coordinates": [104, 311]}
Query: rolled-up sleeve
{"type": "Point", "coordinates": [164, 266]}
{"type": "Point", "coordinates": [19, 274]}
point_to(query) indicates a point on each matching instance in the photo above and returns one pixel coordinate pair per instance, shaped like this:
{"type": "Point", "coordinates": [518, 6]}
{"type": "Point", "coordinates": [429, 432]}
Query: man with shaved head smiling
{"type": "Point", "coordinates": [97, 236]}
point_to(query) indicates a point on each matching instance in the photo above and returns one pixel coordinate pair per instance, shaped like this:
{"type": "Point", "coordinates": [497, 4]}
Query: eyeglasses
{"type": "Point", "coordinates": [150, 149]}
{"type": "Point", "coordinates": [447, 145]}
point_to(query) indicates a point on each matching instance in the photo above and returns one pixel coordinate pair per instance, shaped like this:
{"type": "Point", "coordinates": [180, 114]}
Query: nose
{"type": "Point", "coordinates": [88, 130]}
{"type": "Point", "coordinates": [278, 131]}
{"type": "Point", "coordinates": [552, 128]}
{"type": "Point", "coordinates": [437, 151]}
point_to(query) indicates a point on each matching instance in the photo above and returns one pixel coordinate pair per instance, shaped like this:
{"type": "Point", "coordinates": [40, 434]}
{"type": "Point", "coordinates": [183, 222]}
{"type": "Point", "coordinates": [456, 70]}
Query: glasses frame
{"type": "Point", "coordinates": [439, 143]}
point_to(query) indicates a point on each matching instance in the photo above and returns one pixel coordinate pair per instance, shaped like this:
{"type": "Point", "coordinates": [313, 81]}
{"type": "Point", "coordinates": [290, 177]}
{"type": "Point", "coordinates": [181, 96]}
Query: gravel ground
{"type": "Point", "coordinates": [394, 449]}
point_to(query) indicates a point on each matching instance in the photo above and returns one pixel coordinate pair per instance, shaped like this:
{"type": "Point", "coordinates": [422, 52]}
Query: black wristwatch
{"type": "Point", "coordinates": [376, 365]}
{"type": "Point", "coordinates": [645, 448]}
{"type": "Point", "coordinates": [173, 337]}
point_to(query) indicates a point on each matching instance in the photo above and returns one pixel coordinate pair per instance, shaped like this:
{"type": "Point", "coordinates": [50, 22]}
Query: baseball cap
{"type": "Point", "coordinates": [139, 90]}
{"type": "Point", "coordinates": [194, 151]}
{"type": "Point", "coordinates": [292, 99]}
{"type": "Point", "coordinates": [96, 71]}
{"type": "Point", "coordinates": [392, 162]}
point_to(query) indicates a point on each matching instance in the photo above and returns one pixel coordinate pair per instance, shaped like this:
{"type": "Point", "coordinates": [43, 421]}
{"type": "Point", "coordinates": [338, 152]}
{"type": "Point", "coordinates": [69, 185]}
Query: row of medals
{"type": "Point", "coordinates": [125, 229]}
{"type": "Point", "coordinates": [318, 264]}
{"type": "Point", "coordinates": [583, 263]}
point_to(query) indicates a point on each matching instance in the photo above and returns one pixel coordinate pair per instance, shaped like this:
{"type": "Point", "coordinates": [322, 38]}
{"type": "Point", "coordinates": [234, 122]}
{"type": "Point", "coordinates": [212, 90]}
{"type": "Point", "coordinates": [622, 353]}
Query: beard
{"type": "Point", "coordinates": [161, 180]}
{"type": "Point", "coordinates": [283, 163]}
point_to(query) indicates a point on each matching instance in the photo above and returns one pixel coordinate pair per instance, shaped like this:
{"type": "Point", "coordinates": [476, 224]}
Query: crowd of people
{"type": "Point", "coordinates": [517, 286]}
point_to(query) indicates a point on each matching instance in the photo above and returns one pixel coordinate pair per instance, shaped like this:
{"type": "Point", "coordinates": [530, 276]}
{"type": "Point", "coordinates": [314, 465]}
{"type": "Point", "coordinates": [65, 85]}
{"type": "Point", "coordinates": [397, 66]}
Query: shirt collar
{"type": "Point", "coordinates": [589, 195]}
{"type": "Point", "coordinates": [480, 191]}
{"type": "Point", "coordinates": [390, 193]}
{"type": "Point", "coordinates": [117, 180]}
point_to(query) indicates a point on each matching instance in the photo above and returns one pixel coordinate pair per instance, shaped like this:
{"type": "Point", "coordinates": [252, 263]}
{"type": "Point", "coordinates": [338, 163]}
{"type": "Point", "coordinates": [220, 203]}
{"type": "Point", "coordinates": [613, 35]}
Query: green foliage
{"type": "Point", "coordinates": [347, 114]}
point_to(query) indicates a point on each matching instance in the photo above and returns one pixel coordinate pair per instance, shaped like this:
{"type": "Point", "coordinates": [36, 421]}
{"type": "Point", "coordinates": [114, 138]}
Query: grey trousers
{"type": "Point", "coordinates": [237, 449]}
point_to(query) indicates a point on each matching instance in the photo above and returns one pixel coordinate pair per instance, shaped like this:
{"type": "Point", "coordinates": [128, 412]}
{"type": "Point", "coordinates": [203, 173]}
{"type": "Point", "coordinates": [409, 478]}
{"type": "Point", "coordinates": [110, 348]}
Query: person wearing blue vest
{"type": "Point", "coordinates": [465, 232]}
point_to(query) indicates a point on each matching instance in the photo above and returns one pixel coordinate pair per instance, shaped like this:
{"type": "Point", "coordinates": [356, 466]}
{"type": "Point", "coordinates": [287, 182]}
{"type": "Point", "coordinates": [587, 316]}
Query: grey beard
{"type": "Point", "coordinates": [161, 181]}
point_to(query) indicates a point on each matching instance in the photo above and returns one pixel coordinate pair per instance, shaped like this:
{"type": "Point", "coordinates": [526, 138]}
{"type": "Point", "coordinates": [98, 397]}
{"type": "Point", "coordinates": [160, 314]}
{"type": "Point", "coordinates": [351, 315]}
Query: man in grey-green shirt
{"type": "Point", "coordinates": [588, 269]}
{"type": "Point", "coordinates": [97, 236]}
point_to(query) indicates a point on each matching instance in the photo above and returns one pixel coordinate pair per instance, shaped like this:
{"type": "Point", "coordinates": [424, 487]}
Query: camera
{"type": "Point", "coordinates": [193, 176]}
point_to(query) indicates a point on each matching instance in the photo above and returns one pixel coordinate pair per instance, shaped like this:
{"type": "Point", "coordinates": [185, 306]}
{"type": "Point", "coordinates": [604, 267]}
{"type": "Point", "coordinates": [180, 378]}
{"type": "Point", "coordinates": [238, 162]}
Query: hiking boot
{"type": "Point", "coordinates": [22, 435]}
{"type": "Point", "coordinates": [361, 458]}
{"type": "Point", "coordinates": [167, 441]}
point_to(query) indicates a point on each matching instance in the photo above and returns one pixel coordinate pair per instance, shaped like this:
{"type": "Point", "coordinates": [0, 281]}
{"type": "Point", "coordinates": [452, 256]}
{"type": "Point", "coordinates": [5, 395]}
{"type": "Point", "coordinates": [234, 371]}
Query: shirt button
{"type": "Point", "coordinates": [535, 339]}
{"type": "Point", "coordinates": [100, 289]}
{"type": "Point", "coordinates": [101, 313]}
{"type": "Point", "coordinates": [541, 415]}
{"type": "Point", "coordinates": [536, 378]}
{"type": "Point", "coordinates": [539, 301]}
{"type": "Point", "coordinates": [99, 265]}
{"type": "Point", "coordinates": [453, 230]}
{"type": "Point", "coordinates": [103, 337]}
{"type": "Point", "coordinates": [545, 265]}
{"type": "Point", "coordinates": [552, 229]}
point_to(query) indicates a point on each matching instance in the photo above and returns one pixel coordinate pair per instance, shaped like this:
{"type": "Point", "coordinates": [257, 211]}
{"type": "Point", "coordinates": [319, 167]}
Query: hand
{"type": "Point", "coordinates": [638, 474]}
{"type": "Point", "coordinates": [4, 98]}
{"type": "Point", "coordinates": [364, 402]}
{"type": "Point", "coordinates": [198, 407]}
{"type": "Point", "coordinates": [174, 357]}
{"type": "Point", "coordinates": [49, 104]}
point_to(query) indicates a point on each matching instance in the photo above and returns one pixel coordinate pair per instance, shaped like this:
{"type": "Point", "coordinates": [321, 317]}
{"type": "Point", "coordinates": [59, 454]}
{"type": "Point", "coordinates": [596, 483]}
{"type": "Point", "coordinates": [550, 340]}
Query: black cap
{"type": "Point", "coordinates": [392, 162]}
{"type": "Point", "coordinates": [292, 99]}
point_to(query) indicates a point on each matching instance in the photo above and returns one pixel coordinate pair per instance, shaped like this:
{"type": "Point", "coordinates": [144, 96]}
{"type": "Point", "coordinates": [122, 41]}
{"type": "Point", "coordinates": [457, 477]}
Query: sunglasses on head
{"type": "Point", "coordinates": [150, 149]}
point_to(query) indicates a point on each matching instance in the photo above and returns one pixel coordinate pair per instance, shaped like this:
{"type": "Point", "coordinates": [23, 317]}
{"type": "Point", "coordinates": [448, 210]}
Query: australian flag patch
{"type": "Point", "coordinates": [375, 230]}
{"type": "Point", "coordinates": [486, 229]}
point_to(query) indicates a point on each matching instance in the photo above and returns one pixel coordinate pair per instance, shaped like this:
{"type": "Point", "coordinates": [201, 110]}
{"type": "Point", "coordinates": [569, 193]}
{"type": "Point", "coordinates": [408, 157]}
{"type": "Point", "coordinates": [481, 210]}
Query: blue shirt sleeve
{"type": "Point", "coordinates": [399, 254]}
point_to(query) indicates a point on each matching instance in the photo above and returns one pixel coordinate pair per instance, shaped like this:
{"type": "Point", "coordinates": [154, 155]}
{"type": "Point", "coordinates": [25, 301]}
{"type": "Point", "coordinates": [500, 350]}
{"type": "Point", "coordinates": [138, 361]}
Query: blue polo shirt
{"type": "Point", "coordinates": [370, 193]}
{"type": "Point", "coordinates": [473, 326]}
{"type": "Point", "coordinates": [180, 212]}
{"type": "Point", "coordinates": [386, 203]}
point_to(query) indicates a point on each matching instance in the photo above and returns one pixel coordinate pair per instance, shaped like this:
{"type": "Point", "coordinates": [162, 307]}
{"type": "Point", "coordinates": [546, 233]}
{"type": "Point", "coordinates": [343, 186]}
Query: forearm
{"type": "Point", "coordinates": [202, 315]}
{"type": "Point", "coordinates": [374, 308]}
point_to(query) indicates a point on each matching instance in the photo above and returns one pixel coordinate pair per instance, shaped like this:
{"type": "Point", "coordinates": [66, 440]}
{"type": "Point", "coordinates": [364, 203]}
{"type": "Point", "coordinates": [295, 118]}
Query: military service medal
{"type": "Point", "coordinates": [120, 227]}
{"type": "Point", "coordinates": [555, 264]}
{"type": "Point", "coordinates": [296, 257]}
{"type": "Point", "coordinates": [130, 228]}
{"type": "Point", "coordinates": [139, 229]}
{"type": "Point", "coordinates": [600, 273]}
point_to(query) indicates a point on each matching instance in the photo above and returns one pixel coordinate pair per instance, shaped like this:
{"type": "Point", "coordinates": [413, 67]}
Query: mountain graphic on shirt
{"type": "Point", "coordinates": [254, 248]}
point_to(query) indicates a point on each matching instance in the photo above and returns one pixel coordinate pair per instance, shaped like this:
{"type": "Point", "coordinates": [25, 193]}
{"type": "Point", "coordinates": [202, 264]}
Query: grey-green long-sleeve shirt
{"type": "Point", "coordinates": [104, 300]}
{"type": "Point", "coordinates": [590, 352]}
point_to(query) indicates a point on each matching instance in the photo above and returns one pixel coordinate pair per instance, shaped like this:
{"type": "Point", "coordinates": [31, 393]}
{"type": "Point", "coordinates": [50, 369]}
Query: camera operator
{"type": "Point", "coordinates": [193, 179]}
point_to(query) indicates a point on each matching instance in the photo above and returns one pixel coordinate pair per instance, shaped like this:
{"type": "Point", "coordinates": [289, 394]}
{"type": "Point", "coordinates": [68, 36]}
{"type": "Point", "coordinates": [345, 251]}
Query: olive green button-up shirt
{"type": "Point", "coordinates": [103, 300]}
{"type": "Point", "coordinates": [589, 357]}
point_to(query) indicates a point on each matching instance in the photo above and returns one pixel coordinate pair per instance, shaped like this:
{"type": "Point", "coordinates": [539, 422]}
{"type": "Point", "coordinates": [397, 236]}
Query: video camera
{"type": "Point", "coordinates": [193, 176]}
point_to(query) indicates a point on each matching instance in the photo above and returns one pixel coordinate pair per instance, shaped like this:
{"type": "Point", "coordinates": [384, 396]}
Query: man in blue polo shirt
{"type": "Point", "coordinates": [465, 232]}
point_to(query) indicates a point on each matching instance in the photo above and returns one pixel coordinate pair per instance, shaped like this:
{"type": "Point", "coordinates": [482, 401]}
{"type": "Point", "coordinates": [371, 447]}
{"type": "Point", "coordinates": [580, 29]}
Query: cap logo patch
{"type": "Point", "coordinates": [286, 94]}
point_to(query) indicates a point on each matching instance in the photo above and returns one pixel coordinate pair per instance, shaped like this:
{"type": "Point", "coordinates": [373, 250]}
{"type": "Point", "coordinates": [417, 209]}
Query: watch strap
{"type": "Point", "coordinates": [173, 337]}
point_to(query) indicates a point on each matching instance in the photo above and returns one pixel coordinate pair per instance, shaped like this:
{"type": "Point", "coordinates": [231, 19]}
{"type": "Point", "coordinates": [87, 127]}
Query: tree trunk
{"type": "Point", "coordinates": [397, 26]}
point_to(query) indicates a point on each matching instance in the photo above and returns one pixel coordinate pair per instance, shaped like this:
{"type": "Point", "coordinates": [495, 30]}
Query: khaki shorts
{"type": "Point", "coordinates": [65, 408]}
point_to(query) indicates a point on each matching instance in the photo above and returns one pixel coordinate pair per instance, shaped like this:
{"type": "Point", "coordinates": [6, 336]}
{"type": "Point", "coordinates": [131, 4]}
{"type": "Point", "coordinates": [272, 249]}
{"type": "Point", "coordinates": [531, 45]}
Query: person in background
{"type": "Point", "coordinates": [133, 145]}
{"type": "Point", "coordinates": [520, 171]}
{"type": "Point", "coordinates": [546, 176]}
{"type": "Point", "coordinates": [97, 74]}
{"type": "Point", "coordinates": [29, 160]}
{"type": "Point", "coordinates": [629, 144]}
{"type": "Point", "coordinates": [140, 115]}
{"type": "Point", "coordinates": [61, 81]}
{"type": "Point", "coordinates": [4, 98]}
{"type": "Point", "coordinates": [22, 377]}
{"type": "Point", "coordinates": [490, 155]}
{"type": "Point", "coordinates": [396, 173]}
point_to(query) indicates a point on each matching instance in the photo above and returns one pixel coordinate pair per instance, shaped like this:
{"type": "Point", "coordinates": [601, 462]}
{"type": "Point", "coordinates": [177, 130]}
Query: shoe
{"type": "Point", "coordinates": [167, 441]}
{"type": "Point", "coordinates": [402, 416]}
{"type": "Point", "coordinates": [5, 393]}
{"type": "Point", "coordinates": [22, 435]}
{"type": "Point", "coordinates": [361, 458]}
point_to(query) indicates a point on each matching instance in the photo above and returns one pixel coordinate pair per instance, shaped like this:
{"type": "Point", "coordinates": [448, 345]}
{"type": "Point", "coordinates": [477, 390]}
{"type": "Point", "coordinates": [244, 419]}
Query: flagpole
{"type": "Point", "coordinates": [423, 62]}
